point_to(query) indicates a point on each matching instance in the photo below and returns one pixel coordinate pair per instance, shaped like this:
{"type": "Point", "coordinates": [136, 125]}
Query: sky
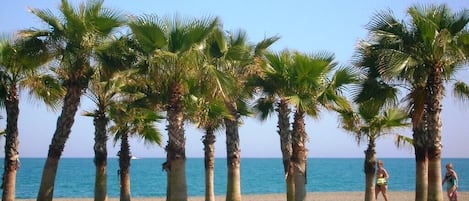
{"type": "Point", "coordinates": [308, 26]}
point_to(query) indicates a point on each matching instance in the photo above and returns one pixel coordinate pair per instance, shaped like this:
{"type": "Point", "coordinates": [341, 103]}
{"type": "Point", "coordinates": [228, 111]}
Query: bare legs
{"type": "Point", "coordinates": [383, 189]}
{"type": "Point", "coordinates": [452, 193]}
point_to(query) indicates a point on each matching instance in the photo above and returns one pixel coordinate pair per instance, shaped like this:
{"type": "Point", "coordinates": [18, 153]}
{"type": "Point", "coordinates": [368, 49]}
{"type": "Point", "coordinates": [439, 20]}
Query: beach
{"type": "Point", "coordinates": [315, 196]}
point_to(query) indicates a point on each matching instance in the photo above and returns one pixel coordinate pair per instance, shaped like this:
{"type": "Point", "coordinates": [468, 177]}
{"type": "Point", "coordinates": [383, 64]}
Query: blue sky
{"type": "Point", "coordinates": [308, 26]}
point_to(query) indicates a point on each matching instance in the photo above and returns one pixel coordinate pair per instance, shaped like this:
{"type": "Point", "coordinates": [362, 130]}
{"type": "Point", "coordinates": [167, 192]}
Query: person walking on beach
{"type": "Point", "coordinates": [382, 177]}
{"type": "Point", "coordinates": [451, 179]}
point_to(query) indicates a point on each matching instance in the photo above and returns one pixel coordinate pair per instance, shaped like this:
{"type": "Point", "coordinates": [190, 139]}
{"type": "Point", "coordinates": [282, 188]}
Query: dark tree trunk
{"type": "Point", "coordinates": [61, 134]}
{"type": "Point", "coordinates": [299, 156]}
{"type": "Point", "coordinates": [434, 92]}
{"type": "Point", "coordinates": [286, 147]}
{"type": "Point", "coordinates": [124, 167]}
{"type": "Point", "coordinates": [11, 163]}
{"type": "Point", "coordinates": [233, 157]}
{"type": "Point", "coordinates": [370, 170]}
{"type": "Point", "coordinates": [421, 174]}
{"type": "Point", "coordinates": [421, 160]}
{"type": "Point", "coordinates": [175, 164]}
{"type": "Point", "coordinates": [100, 155]}
{"type": "Point", "coordinates": [209, 150]}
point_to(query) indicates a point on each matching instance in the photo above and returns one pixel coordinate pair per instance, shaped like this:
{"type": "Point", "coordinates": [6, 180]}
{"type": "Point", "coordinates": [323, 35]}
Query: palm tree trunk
{"type": "Point", "coordinates": [299, 156]}
{"type": "Point", "coordinates": [61, 134]}
{"type": "Point", "coordinates": [434, 93]}
{"type": "Point", "coordinates": [233, 158]}
{"type": "Point", "coordinates": [233, 191]}
{"type": "Point", "coordinates": [435, 190]}
{"type": "Point", "coordinates": [11, 163]}
{"type": "Point", "coordinates": [370, 170]}
{"type": "Point", "coordinates": [124, 168]}
{"type": "Point", "coordinates": [209, 149]}
{"type": "Point", "coordinates": [421, 161]}
{"type": "Point", "coordinates": [175, 164]}
{"type": "Point", "coordinates": [286, 146]}
{"type": "Point", "coordinates": [100, 156]}
{"type": "Point", "coordinates": [421, 174]}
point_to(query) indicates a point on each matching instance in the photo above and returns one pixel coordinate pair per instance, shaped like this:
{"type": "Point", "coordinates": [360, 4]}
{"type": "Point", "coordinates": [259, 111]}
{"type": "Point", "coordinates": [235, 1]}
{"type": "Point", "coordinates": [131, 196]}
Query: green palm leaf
{"type": "Point", "coordinates": [150, 31]}
{"type": "Point", "coordinates": [461, 90]}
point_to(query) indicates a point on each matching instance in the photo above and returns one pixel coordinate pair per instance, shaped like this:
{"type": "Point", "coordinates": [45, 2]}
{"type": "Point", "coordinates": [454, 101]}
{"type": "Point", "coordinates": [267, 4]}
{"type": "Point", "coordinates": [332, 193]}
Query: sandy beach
{"type": "Point", "coordinates": [323, 196]}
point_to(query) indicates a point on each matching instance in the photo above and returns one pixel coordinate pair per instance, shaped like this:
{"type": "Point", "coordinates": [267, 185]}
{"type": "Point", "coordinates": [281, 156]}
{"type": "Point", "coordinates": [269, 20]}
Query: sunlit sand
{"type": "Point", "coordinates": [322, 196]}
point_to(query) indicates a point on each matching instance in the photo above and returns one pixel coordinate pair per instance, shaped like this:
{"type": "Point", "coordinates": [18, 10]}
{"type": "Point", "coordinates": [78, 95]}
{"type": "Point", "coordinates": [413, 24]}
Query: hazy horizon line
{"type": "Point", "coordinates": [251, 157]}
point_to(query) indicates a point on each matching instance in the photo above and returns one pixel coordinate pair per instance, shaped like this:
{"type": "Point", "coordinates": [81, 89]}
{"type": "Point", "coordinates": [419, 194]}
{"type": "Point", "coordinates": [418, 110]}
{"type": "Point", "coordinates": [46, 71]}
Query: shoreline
{"type": "Point", "coordinates": [316, 196]}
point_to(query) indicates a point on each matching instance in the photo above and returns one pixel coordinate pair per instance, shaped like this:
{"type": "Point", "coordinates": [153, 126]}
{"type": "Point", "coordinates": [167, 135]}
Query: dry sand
{"type": "Point", "coordinates": [329, 196]}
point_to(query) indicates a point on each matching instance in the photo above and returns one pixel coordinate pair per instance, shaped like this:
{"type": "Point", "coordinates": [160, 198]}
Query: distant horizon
{"type": "Point", "coordinates": [253, 157]}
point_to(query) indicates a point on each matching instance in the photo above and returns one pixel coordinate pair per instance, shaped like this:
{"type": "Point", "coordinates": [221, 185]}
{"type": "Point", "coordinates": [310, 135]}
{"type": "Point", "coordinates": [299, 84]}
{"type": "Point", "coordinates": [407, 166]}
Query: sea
{"type": "Point", "coordinates": [75, 176]}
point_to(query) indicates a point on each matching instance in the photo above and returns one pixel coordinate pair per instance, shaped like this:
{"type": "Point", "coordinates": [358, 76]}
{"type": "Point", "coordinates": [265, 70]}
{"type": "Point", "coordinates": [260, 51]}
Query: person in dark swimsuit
{"type": "Point", "coordinates": [382, 177]}
{"type": "Point", "coordinates": [451, 179]}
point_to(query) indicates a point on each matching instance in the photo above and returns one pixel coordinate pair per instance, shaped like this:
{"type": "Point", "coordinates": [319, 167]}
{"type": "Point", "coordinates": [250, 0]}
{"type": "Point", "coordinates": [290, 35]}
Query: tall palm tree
{"type": "Point", "coordinates": [368, 124]}
{"type": "Point", "coordinates": [131, 121]}
{"type": "Point", "coordinates": [305, 82]}
{"type": "Point", "coordinates": [275, 84]}
{"type": "Point", "coordinates": [72, 37]}
{"type": "Point", "coordinates": [220, 52]}
{"type": "Point", "coordinates": [108, 80]}
{"type": "Point", "coordinates": [238, 60]}
{"type": "Point", "coordinates": [380, 92]}
{"type": "Point", "coordinates": [433, 45]}
{"type": "Point", "coordinates": [20, 68]}
{"type": "Point", "coordinates": [233, 104]}
{"type": "Point", "coordinates": [317, 84]}
{"type": "Point", "coordinates": [173, 46]}
{"type": "Point", "coordinates": [207, 114]}
{"type": "Point", "coordinates": [209, 110]}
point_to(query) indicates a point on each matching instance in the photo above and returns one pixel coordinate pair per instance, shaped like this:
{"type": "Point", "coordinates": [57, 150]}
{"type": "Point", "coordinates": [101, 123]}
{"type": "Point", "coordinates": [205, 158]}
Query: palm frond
{"type": "Point", "coordinates": [404, 141]}
{"type": "Point", "coordinates": [150, 32]}
{"type": "Point", "coordinates": [461, 19]}
{"type": "Point", "coordinates": [45, 88]}
{"type": "Point", "coordinates": [461, 91]}
{"type": "Point", "coordinates": [264, 107]}
{"type": "Point", "coordinates": [48, 17]}
{"type": "Point", "coordinates": [262, 46]}
{"type": "Point", "coordinates": [216, 44]}
{"type": "Point", "coordinates": [184, 33]}
{"type": "Point", "coordinates": [396, 118]}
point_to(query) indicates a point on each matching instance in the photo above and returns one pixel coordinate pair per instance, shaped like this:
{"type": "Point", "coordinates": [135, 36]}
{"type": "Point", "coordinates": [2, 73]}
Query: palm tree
{"type": "Point", "coordinates": [275, 84]}
{"type": "Point", "coordinates": [433, 46]}
{"type": "Point", "coordinates": [369, 124]}
{"type": "Point", "coordinates": [209, 148]}
{"type": "Point", "coordinates": [130, 121]}
{"type": "Point", "coordinates": [238, 60]}
{"type": "Point", "coordinates": [285, 82]}
{"type": "Point", "coordinates": [220, 51]}
{"type": "Point", "coordinates": [208, 114]}
{"type": "Point", "coordinates": [233, 103]}
{"type": "Point", "coordinates": [72, 37]}
{"type": "Point", "coordinates": [306, 82]}
{"type": "Point", "coordinates": [20, 62]}
{"type": "Point", "coordinates": [109, 79]}
{"type": "Point", "coordinates": [173, 46]}
{"type": "Point", "coordinates": [208, 110]}
{"type": "Point", "coordinates": [380, 92]}
{"type": "Point", "coordinates": [315, 86]}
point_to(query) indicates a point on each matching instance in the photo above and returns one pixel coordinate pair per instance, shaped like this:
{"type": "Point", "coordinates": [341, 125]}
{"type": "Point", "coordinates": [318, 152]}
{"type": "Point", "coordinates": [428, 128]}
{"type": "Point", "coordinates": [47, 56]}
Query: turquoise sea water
{"type": "Point", "coordinates": [75, 177]}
